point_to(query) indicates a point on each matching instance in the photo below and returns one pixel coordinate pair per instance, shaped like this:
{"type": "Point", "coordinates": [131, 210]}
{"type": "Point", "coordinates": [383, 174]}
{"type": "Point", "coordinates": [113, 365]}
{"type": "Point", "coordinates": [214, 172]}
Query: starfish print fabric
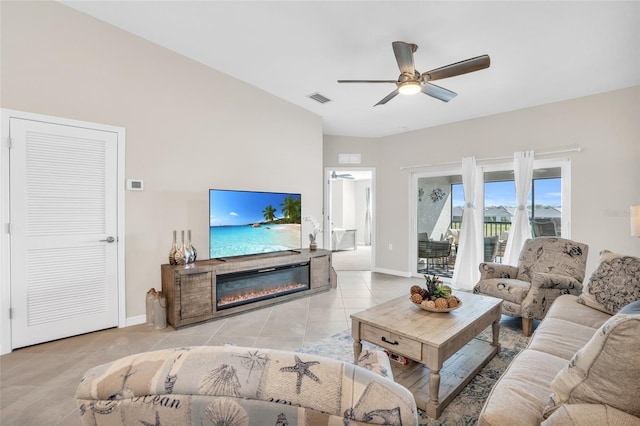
{"type": "Point", "coordinates": [236, 386]}
{"type": "Point", "coordinates": [299, 381]}
{"type": "Point", "coordinates": [302, 369]}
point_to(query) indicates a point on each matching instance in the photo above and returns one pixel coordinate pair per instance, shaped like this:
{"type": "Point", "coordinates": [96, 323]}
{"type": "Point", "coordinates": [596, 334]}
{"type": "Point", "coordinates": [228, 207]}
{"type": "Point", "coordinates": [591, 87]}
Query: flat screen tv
{"type": "Point", "coordinates": [250, 222]}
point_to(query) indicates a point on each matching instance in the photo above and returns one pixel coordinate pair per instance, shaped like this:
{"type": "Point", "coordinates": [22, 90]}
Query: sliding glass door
{"type": "Point", "coordinates": [547, 204]}
{"type": "Point", "coordinates": [439, 206]}
{"type": "Point", "coordinates": [436, 237]}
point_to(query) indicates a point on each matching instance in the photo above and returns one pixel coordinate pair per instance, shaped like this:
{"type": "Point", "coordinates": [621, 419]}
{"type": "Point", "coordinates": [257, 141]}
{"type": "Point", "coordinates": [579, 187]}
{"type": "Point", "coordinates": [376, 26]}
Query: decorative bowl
{"type": "Point", "coordinates": [437, 309]}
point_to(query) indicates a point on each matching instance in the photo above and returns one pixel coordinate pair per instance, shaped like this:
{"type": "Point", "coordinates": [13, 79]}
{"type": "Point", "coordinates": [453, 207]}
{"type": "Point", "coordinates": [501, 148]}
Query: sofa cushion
{"type": "Point", "coordinates": [605, 371]}
{"type": "Point", "coordinates": [566, 307]}
{"type": "Point", "coordinates": [520, 395]}
{"type": "Point", "coordinates": [560, 337]}
{"type": "Point", "coordinates": [614, 284]}
{"type": "Point", "coordinates": [592, 414]}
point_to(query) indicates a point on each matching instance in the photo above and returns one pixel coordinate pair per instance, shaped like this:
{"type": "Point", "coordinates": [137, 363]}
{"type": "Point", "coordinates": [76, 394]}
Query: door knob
{"type": "Point", "coordinates": [108, 240]}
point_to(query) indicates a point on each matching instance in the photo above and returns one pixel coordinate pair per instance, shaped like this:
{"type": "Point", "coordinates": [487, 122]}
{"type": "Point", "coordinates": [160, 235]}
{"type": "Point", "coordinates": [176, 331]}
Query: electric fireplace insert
{"type": "Point", "coordinates": [241, 288]}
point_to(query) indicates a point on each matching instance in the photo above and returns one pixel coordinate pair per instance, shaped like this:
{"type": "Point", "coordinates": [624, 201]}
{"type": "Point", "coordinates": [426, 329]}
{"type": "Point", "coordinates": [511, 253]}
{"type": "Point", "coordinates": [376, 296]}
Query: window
{"type": "Point", "coordinates": [544, 203]}
{"type": "Point", "coordinates": [546, 209]}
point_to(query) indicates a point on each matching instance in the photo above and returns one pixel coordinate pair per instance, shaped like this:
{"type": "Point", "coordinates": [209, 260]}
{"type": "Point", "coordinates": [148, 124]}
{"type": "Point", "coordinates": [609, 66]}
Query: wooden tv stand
{"type": "Point", "coordinates": [191, 289]}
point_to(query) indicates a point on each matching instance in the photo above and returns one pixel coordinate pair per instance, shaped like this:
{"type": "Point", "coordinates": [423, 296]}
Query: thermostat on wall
{"type": "Point", "coordinates": [135, 185]}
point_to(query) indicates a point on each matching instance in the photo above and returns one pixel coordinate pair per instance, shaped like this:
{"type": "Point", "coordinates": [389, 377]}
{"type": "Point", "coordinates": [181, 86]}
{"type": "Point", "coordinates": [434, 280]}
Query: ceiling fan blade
{"type": "Point", "coordinates": [438, 92]}
{"type": "Point", "coordinates": [335, 175]}
{"type": "Point", "coordinates": [387, 98]}
{"type": "Point", "coordinates": [404, 56]}
{"type": "Point", "coordinates": [367, 81]}
{"type": "Point", "coordinates": [458, 68]}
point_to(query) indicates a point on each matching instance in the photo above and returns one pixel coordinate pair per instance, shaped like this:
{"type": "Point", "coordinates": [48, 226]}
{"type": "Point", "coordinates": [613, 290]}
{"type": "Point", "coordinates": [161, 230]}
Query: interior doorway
{"type": "Point", "coordinates": [350, 217]}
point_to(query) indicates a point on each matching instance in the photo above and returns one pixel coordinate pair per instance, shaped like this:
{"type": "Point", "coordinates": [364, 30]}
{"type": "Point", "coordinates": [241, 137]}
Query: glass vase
{"type": "Point", "coordinates": [172, 252]}
{"type": "Point", "coordinates": [188, 250]}
{"type": "Point", "coordinates": [193, 253]}
{"type": "Point", "coordinates": [180, 252]}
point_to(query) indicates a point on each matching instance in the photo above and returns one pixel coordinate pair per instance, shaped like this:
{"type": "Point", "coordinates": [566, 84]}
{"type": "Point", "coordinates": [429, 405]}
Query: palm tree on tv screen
{"type": "Point", "coordinates": [269, 213]}
{"type": "Point", "coordinates": [291, 209]}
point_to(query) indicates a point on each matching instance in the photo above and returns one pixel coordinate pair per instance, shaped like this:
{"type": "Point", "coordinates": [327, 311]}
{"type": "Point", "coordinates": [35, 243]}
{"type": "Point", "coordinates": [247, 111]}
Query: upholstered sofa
{"type": "Point", "coordinates": [230, 385]}
{"type": "Point", "coordinates": [582, 364]}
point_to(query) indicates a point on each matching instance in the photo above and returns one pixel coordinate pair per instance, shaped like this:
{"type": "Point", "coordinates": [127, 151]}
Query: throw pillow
{"type": "Point", "coordinates": [614, 284]}
{"type": "Point", "coordinates": [605, 371]}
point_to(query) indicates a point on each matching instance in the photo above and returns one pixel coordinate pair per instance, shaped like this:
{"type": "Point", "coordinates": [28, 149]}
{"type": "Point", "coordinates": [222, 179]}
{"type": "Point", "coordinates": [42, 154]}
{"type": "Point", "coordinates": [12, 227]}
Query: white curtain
{"type": "Point", "coordinates": [520, 226]}
{"type": "Point", "coordinates": [469, 255]}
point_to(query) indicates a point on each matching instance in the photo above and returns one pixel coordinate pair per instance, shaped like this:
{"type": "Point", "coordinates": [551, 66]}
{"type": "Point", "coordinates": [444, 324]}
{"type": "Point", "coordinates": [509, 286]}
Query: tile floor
{"type": "Point", "coordinates": [37, 383]}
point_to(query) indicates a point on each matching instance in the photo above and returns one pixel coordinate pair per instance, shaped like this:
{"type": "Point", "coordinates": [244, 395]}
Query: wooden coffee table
{"type": "Point", "coordinates": [444, 347]}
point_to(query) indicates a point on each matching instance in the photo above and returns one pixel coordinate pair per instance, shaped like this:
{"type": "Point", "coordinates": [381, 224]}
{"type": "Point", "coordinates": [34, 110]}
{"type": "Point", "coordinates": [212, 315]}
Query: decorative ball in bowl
{"type": "Point", "coordinates": [431, 308]}
{"type": "Point", "coordinates": [436, 297]}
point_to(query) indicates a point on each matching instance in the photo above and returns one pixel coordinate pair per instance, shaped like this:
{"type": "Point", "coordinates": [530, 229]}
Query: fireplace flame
{"type": "Point", "coordinates": [248, 296]}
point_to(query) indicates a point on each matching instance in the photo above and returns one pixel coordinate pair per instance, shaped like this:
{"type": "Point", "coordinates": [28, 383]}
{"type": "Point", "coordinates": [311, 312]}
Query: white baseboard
{"type": "Point", "coordinates": [137, 320]}
{"type": "Point", "coordinates": [392, 272]}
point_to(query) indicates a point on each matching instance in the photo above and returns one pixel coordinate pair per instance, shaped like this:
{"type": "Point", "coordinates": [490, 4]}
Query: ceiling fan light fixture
{"type": "Point", "coordinates": [409, 87]}
{"type": "Point", "coordinates": [411, 81]}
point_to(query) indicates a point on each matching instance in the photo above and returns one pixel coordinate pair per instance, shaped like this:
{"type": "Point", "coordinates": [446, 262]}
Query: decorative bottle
{"type": "Point", "coordinates": [190, 249]}
{"type": "Point", "coordinates": [180, 253]}
{"type": "Point", "coordinates": [188, 254]}
{"type": "Point", "coordinates": [172, 252]}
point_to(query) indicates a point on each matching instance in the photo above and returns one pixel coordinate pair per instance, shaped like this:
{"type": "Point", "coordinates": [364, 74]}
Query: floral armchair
{"type": "Point", "coordinates": [547, 267]}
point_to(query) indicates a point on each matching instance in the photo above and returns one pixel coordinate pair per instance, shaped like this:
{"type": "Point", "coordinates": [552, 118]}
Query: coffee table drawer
{"type": "Point", "coordinates": [395, 343]}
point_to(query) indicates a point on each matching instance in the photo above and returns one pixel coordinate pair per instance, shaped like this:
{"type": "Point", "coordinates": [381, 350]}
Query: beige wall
{"type": "Point", "coordinates": [605, 175]}
{"type": "Point", "coordinates": [188, 127]}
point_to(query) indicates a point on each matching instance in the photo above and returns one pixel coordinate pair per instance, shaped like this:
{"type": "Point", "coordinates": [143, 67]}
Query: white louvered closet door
{"type": "Point", "coordinates": [63, 221]}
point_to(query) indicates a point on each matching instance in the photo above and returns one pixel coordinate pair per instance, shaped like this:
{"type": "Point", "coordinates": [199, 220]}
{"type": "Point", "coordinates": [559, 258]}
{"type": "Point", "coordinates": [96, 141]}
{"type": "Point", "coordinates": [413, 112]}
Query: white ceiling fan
{"type": "Point", "coordinates": [335, 175]}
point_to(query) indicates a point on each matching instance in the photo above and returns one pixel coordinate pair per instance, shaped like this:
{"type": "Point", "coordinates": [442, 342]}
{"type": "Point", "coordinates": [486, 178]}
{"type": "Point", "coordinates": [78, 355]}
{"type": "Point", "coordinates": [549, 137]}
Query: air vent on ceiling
{"type": "Point", "coordinates": [319, 98]}
{"type": "Point", "coordinates": [349, 158]}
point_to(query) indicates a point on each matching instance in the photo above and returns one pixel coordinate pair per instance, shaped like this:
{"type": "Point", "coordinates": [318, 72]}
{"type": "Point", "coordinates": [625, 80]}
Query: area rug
{"type": "Point", "coordinates": [465, 407]}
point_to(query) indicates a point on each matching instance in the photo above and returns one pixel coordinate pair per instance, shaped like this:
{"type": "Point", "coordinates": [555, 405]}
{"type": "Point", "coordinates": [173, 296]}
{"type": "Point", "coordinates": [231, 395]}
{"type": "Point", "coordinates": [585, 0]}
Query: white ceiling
{"type": "Point", "coordinates": [541, 52]}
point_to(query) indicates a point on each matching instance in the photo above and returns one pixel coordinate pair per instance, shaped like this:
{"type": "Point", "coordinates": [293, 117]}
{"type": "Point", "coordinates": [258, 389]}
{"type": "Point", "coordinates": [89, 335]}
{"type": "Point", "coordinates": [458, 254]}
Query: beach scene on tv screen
{"type": "Point", "coordinates": [245, 222]}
